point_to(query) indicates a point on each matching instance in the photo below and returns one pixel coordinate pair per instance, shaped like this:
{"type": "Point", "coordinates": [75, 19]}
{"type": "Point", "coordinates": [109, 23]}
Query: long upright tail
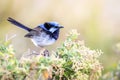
{"type": "Point", "coordinates": [18, 24]}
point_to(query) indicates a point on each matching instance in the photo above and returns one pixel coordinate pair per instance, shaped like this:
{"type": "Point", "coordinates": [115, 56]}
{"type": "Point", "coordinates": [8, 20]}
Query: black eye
{"type": "Point", "coordinates": [56, 26]}
{"type": "Point", "coordinates": [47, 26]}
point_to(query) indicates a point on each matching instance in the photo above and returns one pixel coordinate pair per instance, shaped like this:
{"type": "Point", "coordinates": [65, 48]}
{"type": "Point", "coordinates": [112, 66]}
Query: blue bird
{"type": "Point", "coordinates": [42, 35]}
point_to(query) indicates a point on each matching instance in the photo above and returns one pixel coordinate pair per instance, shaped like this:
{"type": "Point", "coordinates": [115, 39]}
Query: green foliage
{"type": "Point", "coordinates": [72, 61]}
{"type": "Point", "coordinates": [8, 62]}
{"type": "Point", "coordinates": [80, 63]}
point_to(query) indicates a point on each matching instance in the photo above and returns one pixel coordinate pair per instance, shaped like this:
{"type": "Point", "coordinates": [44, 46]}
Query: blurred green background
{"type": "Point", "coordinates": [98, 22]}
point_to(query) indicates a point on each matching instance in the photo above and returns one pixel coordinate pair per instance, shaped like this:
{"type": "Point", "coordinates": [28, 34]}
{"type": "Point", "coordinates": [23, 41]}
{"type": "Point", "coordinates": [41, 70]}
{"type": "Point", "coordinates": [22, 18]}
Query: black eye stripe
{"type": "Point", "coordinates": [47, 26]}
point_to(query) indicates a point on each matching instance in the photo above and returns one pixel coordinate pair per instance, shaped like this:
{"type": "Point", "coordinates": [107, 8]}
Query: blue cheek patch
{"type": "Point", "coordinates": [43, 27]}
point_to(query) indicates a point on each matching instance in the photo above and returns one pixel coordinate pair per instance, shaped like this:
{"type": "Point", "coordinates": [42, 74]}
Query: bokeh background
{"type": "Point", "coordinates": [97, 21]}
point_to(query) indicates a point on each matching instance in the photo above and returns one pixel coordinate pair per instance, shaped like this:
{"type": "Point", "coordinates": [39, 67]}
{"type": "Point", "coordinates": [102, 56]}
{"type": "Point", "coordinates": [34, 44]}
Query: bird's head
{"type": "Point", "coordinates": [51, 26]}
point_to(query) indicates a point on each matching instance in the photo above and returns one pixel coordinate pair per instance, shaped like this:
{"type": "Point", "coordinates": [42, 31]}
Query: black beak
{"type": "Point", "coordinates": [61, 27]}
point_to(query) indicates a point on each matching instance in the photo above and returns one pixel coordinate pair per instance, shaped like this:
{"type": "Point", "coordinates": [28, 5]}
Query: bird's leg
{"type": "Point", "coordinates": [44, 52]}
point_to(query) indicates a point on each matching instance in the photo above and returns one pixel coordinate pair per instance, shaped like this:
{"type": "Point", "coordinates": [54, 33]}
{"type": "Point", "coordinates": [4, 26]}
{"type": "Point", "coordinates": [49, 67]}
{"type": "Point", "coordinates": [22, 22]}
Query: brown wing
{"type": "Point", "coordinates": [35, 32]}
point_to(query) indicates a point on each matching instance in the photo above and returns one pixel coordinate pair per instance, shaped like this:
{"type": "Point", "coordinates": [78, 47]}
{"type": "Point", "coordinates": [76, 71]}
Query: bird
{"type": "Point", "coordinates": [44, 34]}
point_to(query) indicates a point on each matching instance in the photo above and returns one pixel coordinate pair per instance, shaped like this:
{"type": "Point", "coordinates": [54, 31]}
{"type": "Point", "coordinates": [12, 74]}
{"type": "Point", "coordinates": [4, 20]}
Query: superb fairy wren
{"type": "Point", "coordinates": [42, 35]}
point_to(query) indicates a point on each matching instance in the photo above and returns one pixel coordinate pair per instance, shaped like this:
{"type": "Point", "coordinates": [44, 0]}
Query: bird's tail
{"type": "Point", "coordinates": [18, 24]}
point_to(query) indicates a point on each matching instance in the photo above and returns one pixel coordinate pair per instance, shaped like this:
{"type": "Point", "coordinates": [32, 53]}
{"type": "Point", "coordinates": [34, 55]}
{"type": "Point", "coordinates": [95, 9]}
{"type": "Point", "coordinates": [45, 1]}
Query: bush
{"type": "Point", "coordinates": [72, 61]}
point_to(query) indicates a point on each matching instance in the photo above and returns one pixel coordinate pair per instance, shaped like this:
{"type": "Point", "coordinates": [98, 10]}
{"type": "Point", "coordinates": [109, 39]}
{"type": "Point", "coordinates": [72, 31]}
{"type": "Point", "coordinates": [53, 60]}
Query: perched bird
{"type": "Point", "coordinates": [42, 35]}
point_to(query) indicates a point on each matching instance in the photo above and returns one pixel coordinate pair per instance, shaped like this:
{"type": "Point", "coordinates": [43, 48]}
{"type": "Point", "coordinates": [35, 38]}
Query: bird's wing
{"type": "Point", "coordinates": [34, 32]}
